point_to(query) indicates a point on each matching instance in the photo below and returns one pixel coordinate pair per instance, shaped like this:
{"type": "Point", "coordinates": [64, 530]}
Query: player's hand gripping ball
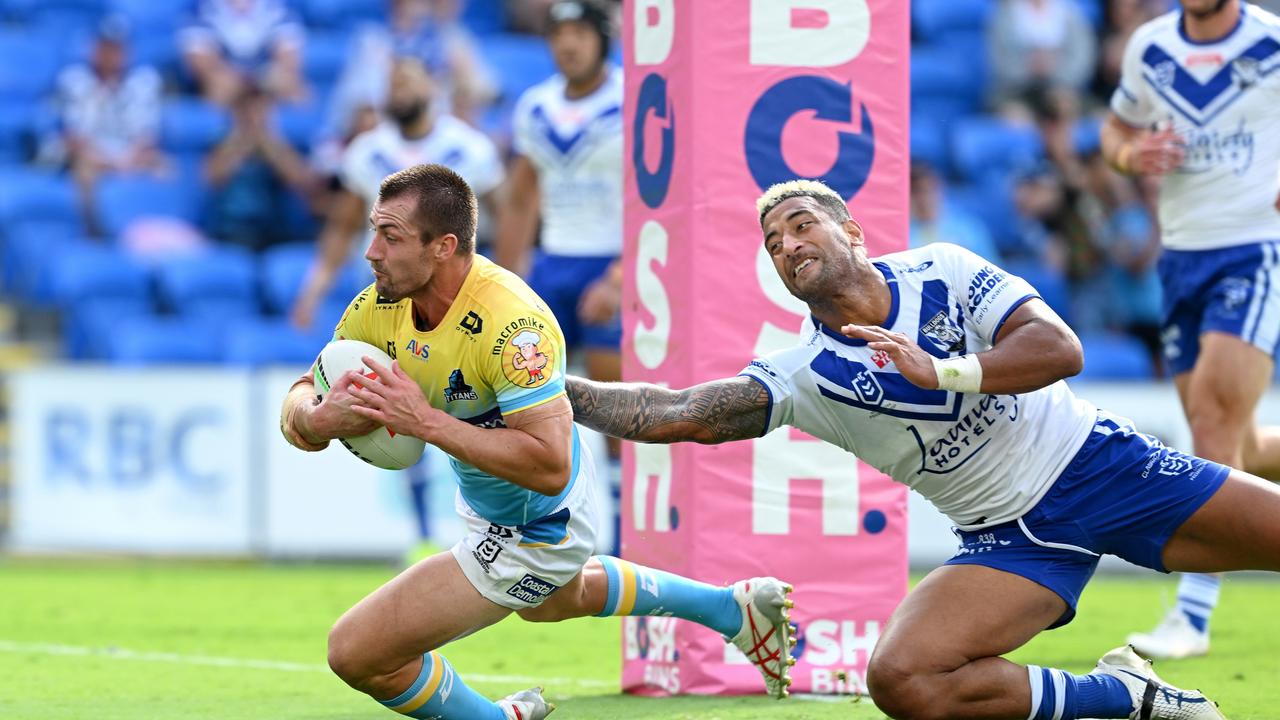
{"type": "Point", "coordinates": [381, 447]}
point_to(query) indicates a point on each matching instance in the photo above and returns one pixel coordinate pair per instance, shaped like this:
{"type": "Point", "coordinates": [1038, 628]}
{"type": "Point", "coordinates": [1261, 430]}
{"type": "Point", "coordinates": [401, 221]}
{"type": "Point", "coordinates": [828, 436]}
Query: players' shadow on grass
{"type": "Point", "coordinates": [610, 707]}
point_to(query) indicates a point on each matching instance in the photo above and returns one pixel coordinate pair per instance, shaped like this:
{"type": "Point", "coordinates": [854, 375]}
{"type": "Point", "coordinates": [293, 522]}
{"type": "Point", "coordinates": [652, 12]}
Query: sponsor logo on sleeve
{"type": "Point", "coordinates": [528, 351]}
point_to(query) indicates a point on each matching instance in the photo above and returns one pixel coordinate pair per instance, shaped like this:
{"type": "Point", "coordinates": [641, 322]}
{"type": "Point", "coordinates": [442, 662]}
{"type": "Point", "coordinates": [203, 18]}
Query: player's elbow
{"type": "Point", "coordinates": [554, 479]}
{"type": "Point", "coordinates": [1070, 354]}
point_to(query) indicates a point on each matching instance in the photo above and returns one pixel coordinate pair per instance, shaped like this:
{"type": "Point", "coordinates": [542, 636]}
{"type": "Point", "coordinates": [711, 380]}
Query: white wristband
{"type": "Point", "coordinates": [959, 374]}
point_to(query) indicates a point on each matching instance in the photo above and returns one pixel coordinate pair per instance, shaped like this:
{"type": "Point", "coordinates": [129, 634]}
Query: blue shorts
{"type": "Point", "coordinates": [1124, 494]}
{"type": "Point", "coordinates": [560, 281]}
{"type": "Point", "coordinates": [1234, 290]}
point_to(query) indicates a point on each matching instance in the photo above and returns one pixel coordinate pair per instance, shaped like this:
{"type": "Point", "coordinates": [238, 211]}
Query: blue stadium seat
{"type": "Point", "coordinates": [991, 205]}
{"type": "Point", "coordinates": [518, 61]}
{"type": "Point", "coordinates": [30, 247]}
{"type": "Point", "coordinates": [485, 17]}
{"type": "Point", "coordinates": [123, 199]}
{"type": "Point", "coordinates": [929, 142]}
{"type": "Point", "coordinates": [220, 278]}
{"type": "Point", "coordinates": [935, 73]}
{"type": "Point", "coordinates": [982, 147]}
{"type": "Point", "coordinates": [152, 16]}
{"type": "Point", "coordinates": [930, 19]}
{"type": "Point", "coordinates": [1109, 356]}
{"type": "Point", "coordinates": [30, 59]}
{"type": "Point", "coordinates": [1048, 282]}
{"type": "Point", "coordinates": [88, 326]}
{"type": "Point", "coordinates": [93, 273]}
{"type": "Point", "coordinates": [1093, 12]}
{"type": "Point", "coordinates": [284, 268]}
{"type": "Point", "coordinates": [1086, 136]}
{"type": "Point", "coordinates": [325, 55]}
{"type": "Point", "coordinates": [272, 342]}
{"type": "Point", "coordinates": [27, 193]}
{"type": "Point", "coordinates": [191, 125]}
{"type": "Point", "coordinates": [299, 124]}
{"type": "Point", "coordinates": [150, 340]}
{"type": "Point", "coordinates": [17, 132]}
{"type": "Point", "coordinates": [340, 13]}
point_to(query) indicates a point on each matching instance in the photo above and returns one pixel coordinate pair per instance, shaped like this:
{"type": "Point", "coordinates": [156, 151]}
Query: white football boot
{"type": "Point", "coordinates": [1174, 638]}
{"type": "Point", "coordinates": [766, 637]}
{"type": "Point", "coordinates": [526, 705]}
{"type": "Point", "coordinates": [1153, 698]}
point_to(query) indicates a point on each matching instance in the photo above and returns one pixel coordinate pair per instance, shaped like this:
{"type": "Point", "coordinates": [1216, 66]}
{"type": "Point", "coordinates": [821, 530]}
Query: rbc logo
{"type": "Point", "coordinates": [829, 100]}
{"type": "Point", "coordinates": [652, 98]}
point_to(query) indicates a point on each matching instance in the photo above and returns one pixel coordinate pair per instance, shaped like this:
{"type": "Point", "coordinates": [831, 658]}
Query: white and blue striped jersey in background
{"type": "Point", "coordinates": [379, 152]}
{"type": "Point", "coordinates": [1223, 97]}
{"type": "Point", "coordinates": [576, 147]}
{"type": "Point", "coordinates": [981, 459]}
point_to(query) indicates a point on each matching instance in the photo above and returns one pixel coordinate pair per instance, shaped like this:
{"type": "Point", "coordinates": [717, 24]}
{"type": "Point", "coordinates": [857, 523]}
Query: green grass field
{"type": "Point", "coordinates": [131, 641]}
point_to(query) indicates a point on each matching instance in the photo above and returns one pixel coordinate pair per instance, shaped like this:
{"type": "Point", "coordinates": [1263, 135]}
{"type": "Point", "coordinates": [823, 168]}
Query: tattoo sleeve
{"type": "Point", "coordinates": [714, 412]}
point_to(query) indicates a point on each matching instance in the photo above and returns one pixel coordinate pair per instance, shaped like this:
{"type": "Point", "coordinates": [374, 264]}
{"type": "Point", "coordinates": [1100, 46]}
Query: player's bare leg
{"type": "Point", "coordinates": [385, 645]}
{"type": "Point", "coordinates": [1220, 410]}
{"type": "Point", "coordinates": [939, 656]}
{"type": "Point", "coordinates": [752, 614]}
{"type": "Point", "coordinates": [1235, 530]}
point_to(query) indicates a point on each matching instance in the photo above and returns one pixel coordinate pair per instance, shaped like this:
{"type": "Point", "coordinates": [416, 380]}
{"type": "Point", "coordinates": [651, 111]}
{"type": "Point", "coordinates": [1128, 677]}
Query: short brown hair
{"type": "Point", "coordinates": [446, 203]}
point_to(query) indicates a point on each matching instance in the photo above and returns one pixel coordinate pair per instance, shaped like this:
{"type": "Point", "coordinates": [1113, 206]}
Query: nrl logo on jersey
{"type": "Point", "coordinates": [944, 333]}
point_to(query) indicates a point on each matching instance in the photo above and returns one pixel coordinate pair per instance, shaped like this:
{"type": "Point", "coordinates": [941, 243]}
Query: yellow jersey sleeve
{"type": "Point", "coordinates": [525, 361]}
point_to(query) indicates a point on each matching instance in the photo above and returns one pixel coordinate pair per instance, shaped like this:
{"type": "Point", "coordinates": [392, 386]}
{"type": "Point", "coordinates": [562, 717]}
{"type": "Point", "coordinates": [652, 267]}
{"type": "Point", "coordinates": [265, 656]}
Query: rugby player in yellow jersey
{"type": "Point", "coordinates": [479, 373]}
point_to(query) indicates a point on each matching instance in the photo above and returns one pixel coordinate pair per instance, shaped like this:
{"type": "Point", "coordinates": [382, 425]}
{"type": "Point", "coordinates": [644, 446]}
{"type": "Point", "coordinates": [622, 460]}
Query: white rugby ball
{"type": "Point", "coordinates": [381, 447]}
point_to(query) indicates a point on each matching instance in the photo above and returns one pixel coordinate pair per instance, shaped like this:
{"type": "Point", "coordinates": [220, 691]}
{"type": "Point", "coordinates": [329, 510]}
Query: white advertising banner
{"type": "Point", "coordinates": [331, 503]}
{"type": "Point", "coordinates": [118, 460]}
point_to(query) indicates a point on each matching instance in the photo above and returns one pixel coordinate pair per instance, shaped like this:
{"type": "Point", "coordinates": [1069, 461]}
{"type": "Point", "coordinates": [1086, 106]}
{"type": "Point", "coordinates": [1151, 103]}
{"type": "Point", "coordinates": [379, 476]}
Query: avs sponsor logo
{"type": "Point", "coordinates": [419, 351]}
{"type": "Point", "coordinates": [531, 590]}
{"type": "Point", "coordinates": [762, 367]}
{"type": "Point", "coordinates": [868, 388]}
{"type": "Point", "coordinates": [820, 98]}
{"type": "Point", "coordinates": [487, 552]}
{"type": "Point", "coordinates": [458, 388]}
{"type": "Point", "coordinates": [944, 333]}
{"type": "Point", "coordinates": [968, 436]}
{"type": "Point", "coordinates": [985, 286]}
{"type": "Point", "coordinates": [472, 323]}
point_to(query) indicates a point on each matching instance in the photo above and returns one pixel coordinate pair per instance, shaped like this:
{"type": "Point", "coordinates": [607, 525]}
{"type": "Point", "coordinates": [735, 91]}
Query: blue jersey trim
{"type": "Point", "coordinates": [1000, 325]}
{"type": "Point", "coordinates": [892, 281]}
{"type": "Point", "coordinates": [541, 395]}
{"type": "Point", "coordinates": [768, 411]}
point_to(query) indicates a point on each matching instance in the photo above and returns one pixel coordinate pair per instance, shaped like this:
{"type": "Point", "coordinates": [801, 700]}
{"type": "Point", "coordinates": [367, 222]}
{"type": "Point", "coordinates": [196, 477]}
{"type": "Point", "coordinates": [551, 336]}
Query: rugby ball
{"type": "Point", "coordinates": [381, 448]}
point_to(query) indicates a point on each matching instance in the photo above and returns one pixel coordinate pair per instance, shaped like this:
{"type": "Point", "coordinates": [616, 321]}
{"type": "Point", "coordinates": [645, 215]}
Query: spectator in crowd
{"type": "Point", "coordinates": [528, 16]}
{"type": "Point", "coordinates": [425, 29]}
{"type": "Point", "coordinates": [1039, 42]}
{"type": "Point", "coordinates": [110, 117]}
{"type": "Point", "coordinates": [933, 219]}
{"type": "Point", "coordinates": [251, 172]}
{"type": "Point", "coordinates": [1123, 17]}
{"type": "Point", "coordinates": [239, 42]}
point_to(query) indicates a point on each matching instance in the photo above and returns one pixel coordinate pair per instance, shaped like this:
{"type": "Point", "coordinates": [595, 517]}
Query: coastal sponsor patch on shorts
{"type": "Point", "coordinates": [532, 590]}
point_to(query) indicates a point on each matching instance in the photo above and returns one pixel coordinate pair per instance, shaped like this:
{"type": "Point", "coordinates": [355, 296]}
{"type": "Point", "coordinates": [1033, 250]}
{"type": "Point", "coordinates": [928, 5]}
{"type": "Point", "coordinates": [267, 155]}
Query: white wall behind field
{"type": "Point", "coordinates": [190, 461]}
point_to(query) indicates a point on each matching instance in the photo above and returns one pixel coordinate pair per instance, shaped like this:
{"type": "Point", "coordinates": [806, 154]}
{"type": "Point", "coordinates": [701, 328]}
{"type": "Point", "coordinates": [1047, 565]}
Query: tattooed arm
{"type": "Point", "coordinates": [713, 412]}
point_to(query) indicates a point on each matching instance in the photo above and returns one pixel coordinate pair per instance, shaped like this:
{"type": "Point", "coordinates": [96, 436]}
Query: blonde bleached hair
{"type": "Point", "coordinates": [829, 199]}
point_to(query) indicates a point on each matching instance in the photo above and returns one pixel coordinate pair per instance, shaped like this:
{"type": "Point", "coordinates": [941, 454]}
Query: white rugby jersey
{"type": "Point", "coordinates": [981, 459]}
{"type": "Point", "coordinates": [375, 154]}
{"type": "Point", "coordinates": [576, 147]}
{"type": "Point", "coordinates": [1224, 99]}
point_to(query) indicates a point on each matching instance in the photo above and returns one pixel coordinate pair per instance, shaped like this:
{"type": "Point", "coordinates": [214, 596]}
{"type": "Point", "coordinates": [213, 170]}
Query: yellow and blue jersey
{"type": "Point", "coordinates": [497, 351]}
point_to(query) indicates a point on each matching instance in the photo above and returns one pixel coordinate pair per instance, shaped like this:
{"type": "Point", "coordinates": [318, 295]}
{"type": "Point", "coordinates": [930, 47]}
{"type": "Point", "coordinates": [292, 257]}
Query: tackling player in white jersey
{"type": "Point", "coordinates": [1199, 104]}
{"type": "Point", "coordinates": [567, 172]}
{"type": "Point", "coordinates": [946, 373]}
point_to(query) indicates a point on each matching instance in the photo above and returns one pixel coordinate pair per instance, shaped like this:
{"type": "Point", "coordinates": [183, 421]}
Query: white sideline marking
{"type": "Point", "coordinates": [116, 653]}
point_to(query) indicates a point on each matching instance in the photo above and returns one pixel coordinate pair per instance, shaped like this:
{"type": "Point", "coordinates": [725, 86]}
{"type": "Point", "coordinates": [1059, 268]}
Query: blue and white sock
{"type": "Point", "coordinates": [1197, 597]}
{"type": "Point", "coordinates": [638, 590]}
{"type": "Point", "coordinates": [440, 693]}
{"type": "Point", "coordinates": [1059, 695]}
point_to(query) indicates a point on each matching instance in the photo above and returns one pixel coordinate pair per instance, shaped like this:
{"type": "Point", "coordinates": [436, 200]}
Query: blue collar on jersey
{"type": "Point", "coordinates": [1182, 28]}
{"type": "Point", "coordinates": [889, 278]}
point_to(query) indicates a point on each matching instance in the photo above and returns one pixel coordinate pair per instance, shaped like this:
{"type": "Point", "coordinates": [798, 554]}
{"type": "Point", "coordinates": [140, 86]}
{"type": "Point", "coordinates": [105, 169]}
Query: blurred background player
{"type": "Point", "coordinates": [238, 41]}
{"type": "Point", "coordinates": [1198, 104]}
{"type": "Point", "coordinates": [417, 132]}
{"type": "Point", "coordinates": [567, 172]}
{"type": "Point", "coordinates": [524, 476]}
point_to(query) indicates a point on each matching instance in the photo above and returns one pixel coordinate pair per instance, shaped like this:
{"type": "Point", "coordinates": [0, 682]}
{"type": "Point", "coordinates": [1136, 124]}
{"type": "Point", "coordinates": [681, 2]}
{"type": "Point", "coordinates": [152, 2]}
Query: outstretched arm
{"type": "Point", "coordinates": [713, 412]}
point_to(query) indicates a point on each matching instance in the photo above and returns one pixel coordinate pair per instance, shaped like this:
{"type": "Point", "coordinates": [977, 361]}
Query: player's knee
{"type": "Point", "coordinates": [350, 660]}
{"type": "Point", "coordinates": [1218, 430]}
{"type": "Point", "coordinates": [901, 691]}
